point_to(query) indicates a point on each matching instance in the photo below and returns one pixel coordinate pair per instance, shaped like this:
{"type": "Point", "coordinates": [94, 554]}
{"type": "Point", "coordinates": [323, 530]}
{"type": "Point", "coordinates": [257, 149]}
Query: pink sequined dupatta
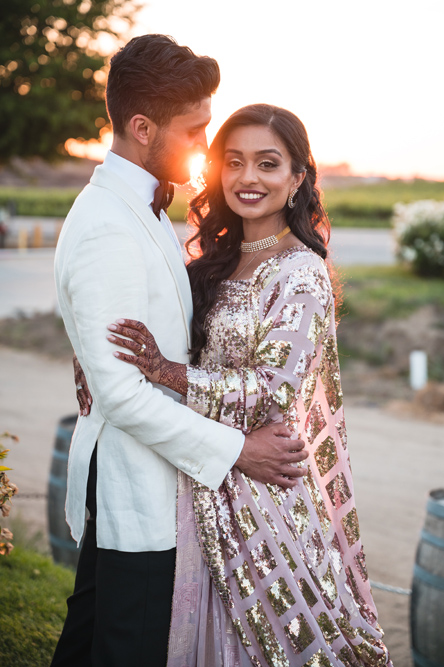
{"type": "Point", "coordinates": [201, 632]}
{"type": "Point", "coordinates": [264, 576]}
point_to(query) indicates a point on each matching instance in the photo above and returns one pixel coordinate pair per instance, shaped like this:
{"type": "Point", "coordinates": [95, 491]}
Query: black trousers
{"type": "Point", "coordinates": [119, 613]}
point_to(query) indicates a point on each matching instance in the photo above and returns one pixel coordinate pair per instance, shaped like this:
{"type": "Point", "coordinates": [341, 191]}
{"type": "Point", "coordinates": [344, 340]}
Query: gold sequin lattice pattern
{"type": "Point", "coordinates": [288, 565]}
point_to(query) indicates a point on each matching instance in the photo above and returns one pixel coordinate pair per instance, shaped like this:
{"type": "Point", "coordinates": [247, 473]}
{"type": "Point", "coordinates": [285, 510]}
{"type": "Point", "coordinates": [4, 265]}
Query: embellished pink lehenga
{"type": "Point", "coordinates": [264, 576]}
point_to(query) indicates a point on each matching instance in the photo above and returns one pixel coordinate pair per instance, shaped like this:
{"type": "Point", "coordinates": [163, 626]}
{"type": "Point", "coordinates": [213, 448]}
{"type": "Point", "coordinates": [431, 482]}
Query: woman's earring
{"type": "Point", "coordinates": [290, 201]}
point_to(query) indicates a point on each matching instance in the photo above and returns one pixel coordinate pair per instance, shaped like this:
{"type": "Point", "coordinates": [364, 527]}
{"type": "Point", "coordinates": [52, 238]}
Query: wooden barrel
{"type": "Point", "coordinates": [427, 601]}
{"type": "Point", "coordinates": [64, 548]}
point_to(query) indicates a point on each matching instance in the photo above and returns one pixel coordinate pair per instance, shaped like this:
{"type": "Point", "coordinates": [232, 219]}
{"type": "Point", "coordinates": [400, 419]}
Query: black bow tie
{"type": "Point", "coordinates": [163, 196]}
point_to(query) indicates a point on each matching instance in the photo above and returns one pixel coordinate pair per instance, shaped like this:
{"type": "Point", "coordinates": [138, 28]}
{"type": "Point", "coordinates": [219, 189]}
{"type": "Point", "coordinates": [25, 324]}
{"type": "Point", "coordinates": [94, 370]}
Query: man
{"type": "Point", "coordinates": [116, 259]}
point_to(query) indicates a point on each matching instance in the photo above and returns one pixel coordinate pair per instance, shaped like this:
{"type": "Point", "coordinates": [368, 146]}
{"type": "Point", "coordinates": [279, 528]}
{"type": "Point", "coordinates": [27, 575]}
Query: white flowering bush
{"type": "Point", "coordinates": [419, 233]}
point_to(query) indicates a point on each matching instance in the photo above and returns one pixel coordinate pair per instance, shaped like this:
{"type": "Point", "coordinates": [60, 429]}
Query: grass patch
{"type": "Point", "coordinates": [375, 293]}
{"type": "Point", "coordinates": [375, 327]}
{"type": "Point", "coordinates": [26, 536]}
{"type": "Point", "coordinates": [33, 602]}
{"type": "Point", "coordinates": [373, 358]}
{"type": "Point", "coordinates": [56, 202]}
{"type": "Point", "coordinates": [372, 205]}
{"type": "Point", "coordinates": [39, 201]}
{"type": "Point", "coordinates": [364, 222]}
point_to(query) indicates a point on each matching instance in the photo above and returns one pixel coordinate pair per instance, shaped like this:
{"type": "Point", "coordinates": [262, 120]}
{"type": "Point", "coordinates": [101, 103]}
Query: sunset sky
{"type": "Point", "coordinates": [366, 79]}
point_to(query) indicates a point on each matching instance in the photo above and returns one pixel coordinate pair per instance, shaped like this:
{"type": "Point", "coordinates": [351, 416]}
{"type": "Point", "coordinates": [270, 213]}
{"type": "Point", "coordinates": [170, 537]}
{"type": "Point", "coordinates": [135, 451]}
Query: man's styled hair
{"type": "Point", "coordinates": [152, 75]}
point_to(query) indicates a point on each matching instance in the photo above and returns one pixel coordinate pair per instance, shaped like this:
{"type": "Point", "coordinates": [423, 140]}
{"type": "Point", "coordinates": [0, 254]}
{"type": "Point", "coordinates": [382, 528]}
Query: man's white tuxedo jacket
{"type": "Point", "coordinates": [114, 259]}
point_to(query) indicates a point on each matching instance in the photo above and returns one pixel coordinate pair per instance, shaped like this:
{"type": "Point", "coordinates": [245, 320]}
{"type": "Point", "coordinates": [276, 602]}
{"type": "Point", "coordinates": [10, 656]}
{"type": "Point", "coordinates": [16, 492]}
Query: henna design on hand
{"type": "Point", "coordinates": [174, 376]}
{"type": "Point", "coordinates": [84, 397]}
{"type": "Point", "coordinates": [149, 360]}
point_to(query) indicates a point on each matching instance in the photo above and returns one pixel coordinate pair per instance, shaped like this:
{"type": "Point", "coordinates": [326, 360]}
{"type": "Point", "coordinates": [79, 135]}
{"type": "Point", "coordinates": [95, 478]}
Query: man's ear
{"type": "Point", "coordinates": [142, 129]}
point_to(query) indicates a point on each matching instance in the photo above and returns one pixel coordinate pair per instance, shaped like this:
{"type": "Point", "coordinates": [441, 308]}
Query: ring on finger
{"type": "Point", "coordinates": [141, 351]}
{"type": "Point", "coordinates": [79, 387]}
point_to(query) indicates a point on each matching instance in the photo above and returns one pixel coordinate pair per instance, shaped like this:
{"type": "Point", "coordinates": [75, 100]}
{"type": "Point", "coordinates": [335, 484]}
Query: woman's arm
{"type": "Point", "coordinates": [292, 313]}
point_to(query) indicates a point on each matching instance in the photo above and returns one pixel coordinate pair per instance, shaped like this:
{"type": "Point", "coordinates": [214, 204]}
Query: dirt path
{"type": "Point", "coordinates": [395, 461]}
{"type": "Point", "coordinates": [35, 393]}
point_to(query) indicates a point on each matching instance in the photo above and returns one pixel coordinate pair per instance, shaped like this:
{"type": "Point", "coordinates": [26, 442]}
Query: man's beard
{"type": "Point", "coordinates": [163, 163]}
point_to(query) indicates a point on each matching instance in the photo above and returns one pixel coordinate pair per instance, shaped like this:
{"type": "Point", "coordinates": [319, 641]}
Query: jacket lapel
{"type": "Point", "coordinates": [104, 178]}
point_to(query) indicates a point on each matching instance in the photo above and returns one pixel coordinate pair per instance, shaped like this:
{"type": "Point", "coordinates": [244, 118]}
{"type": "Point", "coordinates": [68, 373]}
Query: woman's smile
{"type": "Point", "coordinates": [250, 196]}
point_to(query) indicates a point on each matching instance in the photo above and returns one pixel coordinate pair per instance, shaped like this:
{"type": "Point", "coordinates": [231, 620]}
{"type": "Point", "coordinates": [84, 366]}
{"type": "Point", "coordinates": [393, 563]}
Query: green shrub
{"type": "Point", "coordinates": [419, 231]}
{"type": "Point", "coordinates": [38, 201]}
{"type": "Point", "coordinates": [56, 202]}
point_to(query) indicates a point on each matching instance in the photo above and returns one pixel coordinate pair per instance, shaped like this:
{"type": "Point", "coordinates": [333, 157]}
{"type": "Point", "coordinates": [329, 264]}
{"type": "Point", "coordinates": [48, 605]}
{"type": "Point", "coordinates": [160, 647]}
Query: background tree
{"type": "Point", "coordinates": [53, 71]}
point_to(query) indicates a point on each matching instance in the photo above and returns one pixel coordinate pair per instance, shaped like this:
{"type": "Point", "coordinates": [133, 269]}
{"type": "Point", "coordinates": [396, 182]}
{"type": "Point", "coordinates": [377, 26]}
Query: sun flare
{"type": "Point", "coordinates": [197, 163]}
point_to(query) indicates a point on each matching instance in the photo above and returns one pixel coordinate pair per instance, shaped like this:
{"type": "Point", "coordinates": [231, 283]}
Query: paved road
{"type": "Point", "coordinates": [26, 277]}
{"type": "Point", "coordinates": [372, 247]}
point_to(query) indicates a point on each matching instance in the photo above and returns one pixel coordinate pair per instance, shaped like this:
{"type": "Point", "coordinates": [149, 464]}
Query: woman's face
{"type": "Point", "coordinates": [256, 173]}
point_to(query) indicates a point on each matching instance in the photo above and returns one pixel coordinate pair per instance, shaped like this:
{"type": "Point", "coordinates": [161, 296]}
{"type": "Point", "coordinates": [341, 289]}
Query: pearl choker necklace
{"type": "Point", "coordinates": [254, 246]}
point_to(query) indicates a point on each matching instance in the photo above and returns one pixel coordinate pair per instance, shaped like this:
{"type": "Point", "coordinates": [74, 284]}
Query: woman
{"type": "Point", "coordinates": [284, 568]}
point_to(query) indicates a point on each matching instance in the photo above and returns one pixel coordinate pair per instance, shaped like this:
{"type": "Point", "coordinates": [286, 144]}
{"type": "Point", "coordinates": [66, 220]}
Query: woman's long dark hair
{"type": "Point", "coordinates": [219, 230]}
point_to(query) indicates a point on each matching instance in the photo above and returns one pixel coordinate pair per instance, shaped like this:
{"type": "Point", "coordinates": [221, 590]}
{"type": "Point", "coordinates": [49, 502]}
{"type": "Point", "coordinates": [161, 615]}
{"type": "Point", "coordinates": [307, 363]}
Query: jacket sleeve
{"type": "Point", "coordinates": [106, 277]}
{"type": "Point", "coordinates": [293, 314]}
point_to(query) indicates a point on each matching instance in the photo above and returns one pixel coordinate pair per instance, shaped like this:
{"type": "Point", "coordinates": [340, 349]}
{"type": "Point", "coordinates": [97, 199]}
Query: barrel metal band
{"type": "Point", "coordinates": [435, 508]}
{"type": "Point", "coordinates": [61, 456]}
{"type": "Point", "coordinates": [432, 539]}
{"type": "Point", "coordinates": [64, 433]}
{"type": "Point", "coordinates": [428, 578]}
{"type": "Point", "coordinates": [422, 661]}
{"type": "Point", "coordinates": [62, 544]}
{"type": "Point", "coordinates": [390, 589]}
{"type": "Point", "coordinates": [56, 481]}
